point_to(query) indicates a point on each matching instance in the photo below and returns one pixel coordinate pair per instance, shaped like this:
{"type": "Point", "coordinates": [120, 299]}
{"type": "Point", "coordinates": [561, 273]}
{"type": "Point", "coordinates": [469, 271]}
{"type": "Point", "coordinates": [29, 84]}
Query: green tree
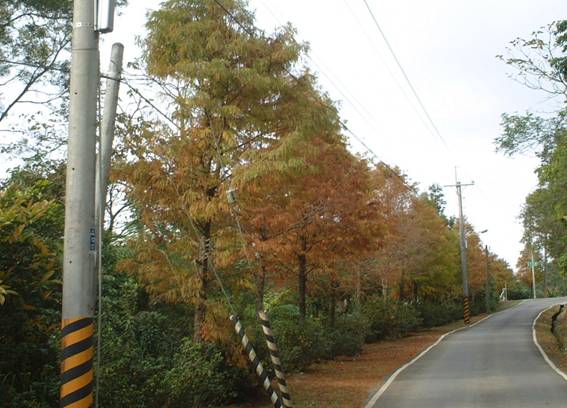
{"type": "Point", "coordinates": [540, 63]}
{"type": "Point", "coordinates": [31, 227]}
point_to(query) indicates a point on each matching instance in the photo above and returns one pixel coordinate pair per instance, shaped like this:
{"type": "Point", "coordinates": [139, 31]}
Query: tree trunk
{"type": "Point", "coordinates": [358, 287]}
{"type": "Point", "coordinates": [415, 291]}
{"type": "Point", "coordinates": [302, 281]}
{"type": "Point", "coordinates": [544, 272]}
{"type": "Point", "coordinates": [402, 283]}
{"type": "Point", "coordinates": [202, 285]}
{"type": "Point", "coordinates": [261, 277]}
{"type": "Point", "coordinates": [333, 304]}
{"type": "Point", "coordinates": [260, 288]}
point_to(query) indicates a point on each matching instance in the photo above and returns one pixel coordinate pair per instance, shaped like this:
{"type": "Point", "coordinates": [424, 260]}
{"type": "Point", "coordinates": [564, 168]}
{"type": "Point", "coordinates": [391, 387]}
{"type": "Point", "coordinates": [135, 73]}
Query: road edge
{"type": "Point", "coordinates": [392, 377]}
{"type": "Point", "coordinates": [372, 401]}
{"type": "Point", "coordinates": [543, 353]}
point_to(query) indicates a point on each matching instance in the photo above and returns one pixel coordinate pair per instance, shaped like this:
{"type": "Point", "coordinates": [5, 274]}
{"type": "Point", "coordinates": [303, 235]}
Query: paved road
{"type": "Point", "coordinates": [492, 365]}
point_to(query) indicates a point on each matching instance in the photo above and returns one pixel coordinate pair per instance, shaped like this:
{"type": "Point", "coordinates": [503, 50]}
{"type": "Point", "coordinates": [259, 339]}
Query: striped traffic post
{"type": "Point", "coordinates": [77, 364]}
{"type": "Point", "coordinates": [274, 356]}
{"type": "Point", "coordinates": [256, 363]}
{"type": "Point", "coordinates": [467, 310]}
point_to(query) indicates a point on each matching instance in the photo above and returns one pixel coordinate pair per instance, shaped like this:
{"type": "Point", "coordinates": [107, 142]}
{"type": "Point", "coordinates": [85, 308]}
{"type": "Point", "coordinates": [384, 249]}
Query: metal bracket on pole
{"type": "Point", "coordinates": [104, 15]}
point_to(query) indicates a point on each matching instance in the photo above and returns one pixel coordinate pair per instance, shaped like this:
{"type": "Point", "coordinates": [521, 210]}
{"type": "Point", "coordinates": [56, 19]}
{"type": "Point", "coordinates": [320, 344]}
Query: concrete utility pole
{"type": "Point", "coordinates": [106, 138]}
{"type": "Point", "coordinates": [532, 265]}
{"type": "Point", "coordinates": [80, 231]}
{"type": "Point", "coordinates": [103, 169]}
{"type": "Point", "coordinates": [487, 285]}
{"type": "Point", "coordinates": [466, 305]}
{"type": "Point", "coordinates": [80, 241]}
{"type": "Point", "coordinates": [107, 126]}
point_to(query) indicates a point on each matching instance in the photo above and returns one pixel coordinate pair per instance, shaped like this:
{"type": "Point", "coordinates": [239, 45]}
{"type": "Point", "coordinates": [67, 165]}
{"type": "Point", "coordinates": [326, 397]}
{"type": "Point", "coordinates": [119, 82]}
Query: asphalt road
{"type": "Point", "coordinates": [493, 364]}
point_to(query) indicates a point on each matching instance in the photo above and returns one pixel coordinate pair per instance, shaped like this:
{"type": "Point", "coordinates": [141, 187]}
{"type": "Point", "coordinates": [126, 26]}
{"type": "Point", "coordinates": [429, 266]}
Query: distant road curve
{"type": "Point", "coordinates": [492, 365]}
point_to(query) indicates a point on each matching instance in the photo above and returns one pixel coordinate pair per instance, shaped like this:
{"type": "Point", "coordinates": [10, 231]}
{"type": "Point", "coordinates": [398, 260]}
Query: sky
{"type": "Point", "coordinates": [448, 50]}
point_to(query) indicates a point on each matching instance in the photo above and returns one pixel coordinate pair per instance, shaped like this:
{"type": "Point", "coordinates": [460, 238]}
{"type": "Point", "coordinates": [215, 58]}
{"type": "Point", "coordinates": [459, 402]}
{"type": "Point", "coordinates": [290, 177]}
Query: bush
{"type": "Point", "coordinates": [300, 344]}
{"type": "Point", "coordinates": [389, 319]}
{"type": "Point", "coordinates": [348, 335]}
{"type": "Point", "coordinates": [149, 360]}
{"type": "Point", "coordinates": [437, 314]}
{"type": "Point", "coordinates": [519, 290]}
{"type": "Point", "coordinates": [201, 377]}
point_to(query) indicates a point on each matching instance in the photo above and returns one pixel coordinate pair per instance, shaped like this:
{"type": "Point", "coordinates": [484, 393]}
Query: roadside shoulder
{"type": "Point", "coordinates": [547, 343]}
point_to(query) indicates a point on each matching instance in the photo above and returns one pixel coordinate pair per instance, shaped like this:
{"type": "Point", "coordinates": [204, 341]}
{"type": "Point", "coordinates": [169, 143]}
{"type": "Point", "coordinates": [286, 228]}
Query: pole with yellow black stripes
{"type": "Point", "coordinates": [463, 244]}
{"type": "Point", "coordinates": [80, 232]}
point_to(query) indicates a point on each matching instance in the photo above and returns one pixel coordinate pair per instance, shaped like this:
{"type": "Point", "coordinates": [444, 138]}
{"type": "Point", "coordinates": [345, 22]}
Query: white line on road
{"type": "Point", "coordinates": [534, 336]}
{"type": "Point", "coordinates": [391, 379]}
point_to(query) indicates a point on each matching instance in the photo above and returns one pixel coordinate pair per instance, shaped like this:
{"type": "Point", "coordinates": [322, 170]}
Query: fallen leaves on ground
{"type": "Point", "coordinates": [348, 382]}
{"type": "Point", "coordinates": [548, 341]}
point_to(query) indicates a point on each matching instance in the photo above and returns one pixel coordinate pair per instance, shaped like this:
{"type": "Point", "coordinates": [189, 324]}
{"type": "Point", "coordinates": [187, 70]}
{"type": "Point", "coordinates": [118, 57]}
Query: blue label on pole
{"type": "Point", "coordinates": [93, 239]}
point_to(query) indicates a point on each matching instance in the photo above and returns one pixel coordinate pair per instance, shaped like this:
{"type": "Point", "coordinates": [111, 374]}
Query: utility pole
{"type": "Point", "coordinates": [103, 169]}
{"type": "Point", "coordinates": [532, 265]}
{"type": "Point", "coordinates": [79, 250]}
{"type": "Point", "coordinates": [487, 285]}
{"type": "Point", "coordinates": [466, 305]}
{"type": "Point", "coordinates": [108, 122]}
{"type": "Point", "coordinates": [544, 271]}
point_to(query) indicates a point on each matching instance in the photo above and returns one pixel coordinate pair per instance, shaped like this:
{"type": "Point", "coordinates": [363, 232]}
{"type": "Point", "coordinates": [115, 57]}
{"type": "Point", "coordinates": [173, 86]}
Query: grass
{"type": "Point", "coordinates": [348, 382]}
{"type": "Point", "coordinates": [548, 341]}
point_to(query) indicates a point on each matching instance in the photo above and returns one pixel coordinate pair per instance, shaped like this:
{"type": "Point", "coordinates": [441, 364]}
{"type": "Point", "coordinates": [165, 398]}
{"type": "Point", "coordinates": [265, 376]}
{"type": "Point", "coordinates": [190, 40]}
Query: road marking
{"type": "Point", "coordinates": [391, 379]}
{"type": "Point", "coordinates": [534, 336]}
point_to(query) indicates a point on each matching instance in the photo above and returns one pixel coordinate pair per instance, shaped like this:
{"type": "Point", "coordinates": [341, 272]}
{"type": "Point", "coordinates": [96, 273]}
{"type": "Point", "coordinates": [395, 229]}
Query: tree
{"type": "Point", "coordinates": [231, 94]}
{"type": "Point", "coordinates": [540, 64]}
{"type": "Point", "coordinates": [31, 227]}
{"type": "Point", "coordinates": [437, 198]}
{"type": "Point", "coordinates": [34, 36]}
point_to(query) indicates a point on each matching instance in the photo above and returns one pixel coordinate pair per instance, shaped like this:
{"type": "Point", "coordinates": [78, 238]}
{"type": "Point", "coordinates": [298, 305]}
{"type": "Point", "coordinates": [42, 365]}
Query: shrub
{"type": "Point", "coordinates": [389, 319]}
{"type": "Point", "coordinates": [348, 335]}
{"type": "Point", "coordinates": [201, 377]}
{"type": "Point", "coordinates": [519, 290]}
{"type": "Point", "coordinates": [300, 344]}
{"type": "Point", "coordinates": [436, 314]}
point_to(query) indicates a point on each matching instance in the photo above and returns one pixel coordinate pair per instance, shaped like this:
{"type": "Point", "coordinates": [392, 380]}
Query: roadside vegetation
{"type": "Point", "coordinates": [553, 337]}
{"type": "Point", "coordinates": [242, 177]}
{"type": "Point", "coordinates": [540, 63]}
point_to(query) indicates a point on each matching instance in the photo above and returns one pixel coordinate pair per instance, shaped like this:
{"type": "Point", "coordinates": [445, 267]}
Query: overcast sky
{"type": "Point", "coordinates": [448, 49]}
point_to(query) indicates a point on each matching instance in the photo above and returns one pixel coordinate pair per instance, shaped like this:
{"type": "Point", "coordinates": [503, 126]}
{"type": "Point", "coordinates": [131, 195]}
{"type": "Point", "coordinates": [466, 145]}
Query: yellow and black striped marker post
{"type": "Point", "coordinates": [467, 310]}
{"type": "Point", "coordinates": [77, 363]}
{"type": "Point", "coordinates": [255, 361]}
{"type": "Point", "coordinates": [274, 356]}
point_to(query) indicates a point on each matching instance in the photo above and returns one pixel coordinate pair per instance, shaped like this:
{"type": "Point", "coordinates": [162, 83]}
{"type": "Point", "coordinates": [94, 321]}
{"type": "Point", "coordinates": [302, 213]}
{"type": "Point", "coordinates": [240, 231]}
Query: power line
{"type": "Point", "coordinates": [337, 84]}
{"type": "Point", "coordinates": [341, 122]}
{"type": "Point", "coordinates": [392, 75]}
{"type": "Point", "coordinates": [406, 77]}
{"type": "Point", "coordinates": [251, 33]}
